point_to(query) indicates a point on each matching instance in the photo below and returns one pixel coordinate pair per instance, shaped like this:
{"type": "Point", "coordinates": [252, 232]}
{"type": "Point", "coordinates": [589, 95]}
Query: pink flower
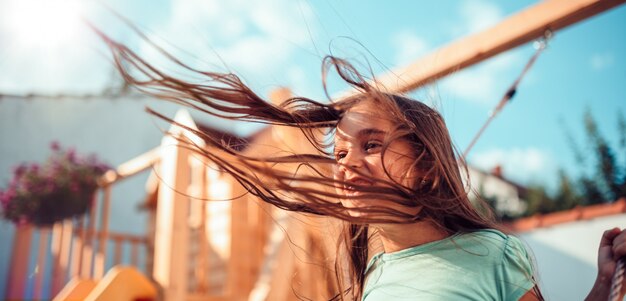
{"type": "Point", "coordinates": [6, 196]}
{"type": "Point", "coordinates": [55, 146]}
{"type": "Point", "coordinates": [22, 221]}
{"type": "Point", "coordinates": [74, 187]}
{"type": "Point", "coordinates": [66, 180]}
{"type": "Point", "coordinates": [71, 155]}
{"type": "Point", "coordinates": [19, 170]}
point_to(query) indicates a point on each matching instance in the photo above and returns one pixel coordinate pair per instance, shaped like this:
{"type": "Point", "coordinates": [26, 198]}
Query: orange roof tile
{"type": "Point", "coordinates": [572, 215]}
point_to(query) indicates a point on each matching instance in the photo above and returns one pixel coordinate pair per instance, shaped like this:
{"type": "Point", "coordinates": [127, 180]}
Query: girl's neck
{"type": "Point", "coordinates": [396, 237]}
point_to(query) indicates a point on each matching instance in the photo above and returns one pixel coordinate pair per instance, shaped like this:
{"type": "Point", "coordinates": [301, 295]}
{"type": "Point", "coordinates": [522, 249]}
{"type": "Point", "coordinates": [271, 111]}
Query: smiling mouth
{"type": "Point", "coordinates": [354, 187]}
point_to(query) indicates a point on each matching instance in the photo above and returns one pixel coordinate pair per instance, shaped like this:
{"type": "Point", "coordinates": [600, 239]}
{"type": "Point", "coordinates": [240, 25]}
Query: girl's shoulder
{"type": "Point", "coordinates": [486, 264]}
{"type": "Point", "coordinates": [489, 244]}
{"type": "Point", "coordinates": [492, 243]}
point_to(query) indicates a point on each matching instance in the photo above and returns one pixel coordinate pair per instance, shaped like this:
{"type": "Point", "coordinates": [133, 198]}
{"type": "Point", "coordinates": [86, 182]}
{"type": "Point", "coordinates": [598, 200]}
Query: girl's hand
{"type": "Point", "coordinates": [612, 247]}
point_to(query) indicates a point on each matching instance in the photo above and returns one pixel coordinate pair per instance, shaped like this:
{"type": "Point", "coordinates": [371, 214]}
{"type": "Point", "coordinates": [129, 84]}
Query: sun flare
{"type": "Point", "coordinates": [43, 22]}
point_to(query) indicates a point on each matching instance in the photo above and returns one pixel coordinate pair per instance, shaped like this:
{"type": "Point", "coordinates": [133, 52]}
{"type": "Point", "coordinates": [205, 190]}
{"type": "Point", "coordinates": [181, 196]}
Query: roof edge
{"type": "Point", "coordinates": [579, 213]}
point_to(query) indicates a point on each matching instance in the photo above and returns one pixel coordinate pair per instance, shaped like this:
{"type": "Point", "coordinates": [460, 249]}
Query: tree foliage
{"type": "Point", "coordinates": [603, 172]}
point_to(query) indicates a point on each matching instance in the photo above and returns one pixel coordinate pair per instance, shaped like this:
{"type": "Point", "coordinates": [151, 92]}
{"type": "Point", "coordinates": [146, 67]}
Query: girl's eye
{"type": "Point", "coordinates": [372, 146]}
{"type": "Point", "coordinates": [340, 155]}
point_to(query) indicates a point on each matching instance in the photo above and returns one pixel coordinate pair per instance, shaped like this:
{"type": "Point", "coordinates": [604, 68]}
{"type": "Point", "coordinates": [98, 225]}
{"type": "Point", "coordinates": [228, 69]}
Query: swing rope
{"type": "Point", "coordinates": [540, 45]}
{"type": "Point", "coordinates": [618, 278]}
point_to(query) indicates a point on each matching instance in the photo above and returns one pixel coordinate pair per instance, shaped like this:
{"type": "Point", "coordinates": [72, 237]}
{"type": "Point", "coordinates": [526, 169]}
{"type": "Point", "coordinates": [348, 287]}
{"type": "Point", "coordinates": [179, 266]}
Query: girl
{"type": "Point", "coordinates": [395, 174]}
{"type": "Point", "coordinates": [436, 245]}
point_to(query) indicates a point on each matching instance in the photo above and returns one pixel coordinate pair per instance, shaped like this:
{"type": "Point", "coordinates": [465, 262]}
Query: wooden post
{"type": "Point", "coordinates": [89, 236]}
{"type": "Point", "coordinates": [134, 254]}
{"type": "Point", "coordinates": [117, 255]}
{"type": "Point", "coordinates": [239, 273]}
{"type": "Point", "coordinates": [100, 258]}
{"type": "Point", "coordinates": [44, 233]}
{"type": "Point", "coordinates": [55, 249]}
{"type": "Point", "coordinates": [62, 232]}
{"type": "Point", "coordinates": [78, 244]}
{"type": "Point", "coordinates": [18, 269]}
{"type": "Point", "coordinates": [203, 244]}
{"type": "Point", "coordinates": [170, 241]}
{"type": "Point", "coordinates": [274, 282]}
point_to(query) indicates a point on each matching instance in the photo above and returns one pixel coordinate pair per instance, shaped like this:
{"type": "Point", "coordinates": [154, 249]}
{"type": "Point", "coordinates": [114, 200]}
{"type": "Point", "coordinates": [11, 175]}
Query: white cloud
{"type": "Point", "coordinates": [257, 54]}
{"type": "Point", "coordinates": [227, 21]}
{"type": "Point", "coordinates": [477, 15]}
{"type": "Point", "coordinates": [601, 61]}
{"type": "Point", "coordinates": [254, 39]}
{"type": "Point", "coordinates": [482, 84]}
{"type": "Point", "coordinates": [520, 164]}
{"type": "Point", "coordinates": [408, 46]}
{"type": "Point", "coordinates": [283, 18]}
{"type": "Point", "coordinates": [186, 14]}
{"type": "Point", "coordinates": [298, 80]}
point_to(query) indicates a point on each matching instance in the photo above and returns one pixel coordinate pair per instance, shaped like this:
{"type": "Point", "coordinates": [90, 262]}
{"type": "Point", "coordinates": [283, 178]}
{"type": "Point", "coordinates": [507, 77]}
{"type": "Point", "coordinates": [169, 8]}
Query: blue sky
{"type": "Point", "coordinates": [46, 49]}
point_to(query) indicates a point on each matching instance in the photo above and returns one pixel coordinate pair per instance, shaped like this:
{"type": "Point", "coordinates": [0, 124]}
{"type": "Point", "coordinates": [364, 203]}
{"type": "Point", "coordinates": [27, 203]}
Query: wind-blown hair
{"type": "Point", "coordinates": [438, 188]}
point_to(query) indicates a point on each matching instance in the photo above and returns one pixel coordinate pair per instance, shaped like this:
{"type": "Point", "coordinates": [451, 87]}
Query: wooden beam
{"type": "Point", "coordinates": [515, 30]}
{"type": "Point", "coordinates": [132, 167]}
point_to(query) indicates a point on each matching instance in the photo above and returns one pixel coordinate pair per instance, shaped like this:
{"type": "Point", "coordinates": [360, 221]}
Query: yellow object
{"type": "Point", "coordinates": [121, 283]}
{"type": "Point", "coordinates": [76, 289]}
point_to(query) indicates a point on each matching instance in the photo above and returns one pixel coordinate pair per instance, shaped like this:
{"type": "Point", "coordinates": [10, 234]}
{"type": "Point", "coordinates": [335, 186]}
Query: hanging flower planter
{"type": "Point", "coordinates": [61, 188]}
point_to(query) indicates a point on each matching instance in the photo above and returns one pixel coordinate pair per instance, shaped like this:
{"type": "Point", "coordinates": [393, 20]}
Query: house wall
{"type": "Point", "coordinates": [116, 130]}
{"type": "Point", "coordinates": [505, 194]}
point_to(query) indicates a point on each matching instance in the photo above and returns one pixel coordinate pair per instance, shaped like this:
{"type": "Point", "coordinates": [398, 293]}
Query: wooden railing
{"type": "Point", "coordinates": [194, 249]}
{"type": "Point", "coordinates": [76, 247]}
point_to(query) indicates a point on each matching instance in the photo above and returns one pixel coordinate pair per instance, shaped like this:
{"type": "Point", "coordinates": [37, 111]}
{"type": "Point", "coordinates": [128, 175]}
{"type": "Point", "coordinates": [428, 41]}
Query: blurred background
{"type": "Point", "coordinates": [561, 142]}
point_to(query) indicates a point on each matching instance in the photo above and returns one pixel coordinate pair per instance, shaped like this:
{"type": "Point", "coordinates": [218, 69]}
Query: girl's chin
{"type": "Point", "coordinates": [353, 207]}
{"type": "Point", "coordinates": [357, 208]}
{"type": "Point", "coordinates": [356, 213]}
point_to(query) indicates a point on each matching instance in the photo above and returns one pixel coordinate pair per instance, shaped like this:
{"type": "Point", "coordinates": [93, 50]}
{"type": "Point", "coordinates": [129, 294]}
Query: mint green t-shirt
{"type": "Point", "coordinates": [483, 265]}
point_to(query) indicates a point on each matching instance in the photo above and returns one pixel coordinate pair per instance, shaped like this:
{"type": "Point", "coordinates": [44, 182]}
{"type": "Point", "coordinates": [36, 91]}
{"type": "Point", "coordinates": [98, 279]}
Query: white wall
{"type": "Point", "coordinates": [506, 195]}
{"type": "Point", "coordinates": [566, 255]}
{"type": "Point", "coordinates": [115, 130]}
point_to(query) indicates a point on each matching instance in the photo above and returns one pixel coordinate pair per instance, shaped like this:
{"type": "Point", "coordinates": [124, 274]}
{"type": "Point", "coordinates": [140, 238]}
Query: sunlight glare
{"type": "Point", "coordinates": [44, 22]}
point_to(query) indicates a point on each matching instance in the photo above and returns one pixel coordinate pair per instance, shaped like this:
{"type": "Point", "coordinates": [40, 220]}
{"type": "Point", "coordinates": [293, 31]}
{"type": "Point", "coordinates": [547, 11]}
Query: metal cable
{"type": "Point", "coordinates": [540, 45]}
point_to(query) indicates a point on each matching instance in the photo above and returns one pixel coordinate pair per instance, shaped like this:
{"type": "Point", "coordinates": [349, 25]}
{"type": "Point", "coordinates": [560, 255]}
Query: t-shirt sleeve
{"type": "Point", "coordinates": [515, 272]}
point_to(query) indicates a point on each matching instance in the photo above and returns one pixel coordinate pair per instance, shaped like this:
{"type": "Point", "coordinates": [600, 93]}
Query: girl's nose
{"type": "Point", "coordinates": [353, 160]}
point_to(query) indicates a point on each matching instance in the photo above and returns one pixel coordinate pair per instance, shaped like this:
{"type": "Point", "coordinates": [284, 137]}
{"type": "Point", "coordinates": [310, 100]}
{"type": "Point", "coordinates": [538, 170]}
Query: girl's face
{"type": "Point", "coordinates": [359, 141]}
